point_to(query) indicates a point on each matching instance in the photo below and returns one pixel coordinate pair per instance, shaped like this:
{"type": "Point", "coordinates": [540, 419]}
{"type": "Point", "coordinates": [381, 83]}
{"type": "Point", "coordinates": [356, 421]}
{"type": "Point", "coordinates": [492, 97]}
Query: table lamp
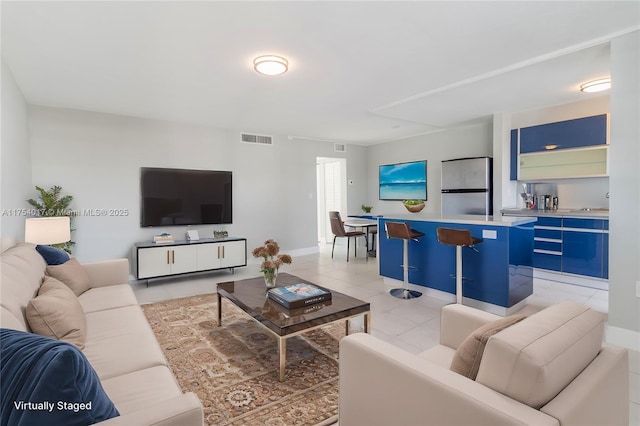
{"type": "Point", "coordinates": [47, 230]}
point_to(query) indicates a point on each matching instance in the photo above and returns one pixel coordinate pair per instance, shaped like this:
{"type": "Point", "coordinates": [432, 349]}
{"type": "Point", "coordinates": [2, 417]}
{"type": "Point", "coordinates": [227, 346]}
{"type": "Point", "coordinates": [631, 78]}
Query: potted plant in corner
{"type": "Point", "coordinates": [366, 209]}
{"type": "Point", "coordinates": [414, 206]}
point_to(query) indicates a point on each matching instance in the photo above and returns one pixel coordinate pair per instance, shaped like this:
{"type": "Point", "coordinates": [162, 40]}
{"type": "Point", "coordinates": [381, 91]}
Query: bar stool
{"type": "Point", "coordinates": [403, 231]}
{"type": "Point", "coordinates": [459, 238]}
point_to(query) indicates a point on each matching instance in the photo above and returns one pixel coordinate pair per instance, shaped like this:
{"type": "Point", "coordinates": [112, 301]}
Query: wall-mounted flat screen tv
{"type": "Point", "coordinates": [184, 197]}
{"type": "Point", "coordinates": [404, 181]}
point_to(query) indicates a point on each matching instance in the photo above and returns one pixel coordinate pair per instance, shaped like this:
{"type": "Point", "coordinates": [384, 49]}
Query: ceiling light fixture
{"type": "Point", "coordinates": [596, 85]}
{"type": "Point", "coordinates": [270, 65]}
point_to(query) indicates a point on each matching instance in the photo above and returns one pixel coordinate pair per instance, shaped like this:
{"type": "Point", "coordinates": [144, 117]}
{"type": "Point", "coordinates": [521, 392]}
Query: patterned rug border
{"type": "Point", "coordinates": [243, 360]}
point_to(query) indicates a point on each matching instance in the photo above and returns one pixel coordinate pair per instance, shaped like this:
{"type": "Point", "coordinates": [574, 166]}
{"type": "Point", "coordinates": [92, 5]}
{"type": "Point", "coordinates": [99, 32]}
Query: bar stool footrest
{"type": "Point", "coordinates": [403, 293]}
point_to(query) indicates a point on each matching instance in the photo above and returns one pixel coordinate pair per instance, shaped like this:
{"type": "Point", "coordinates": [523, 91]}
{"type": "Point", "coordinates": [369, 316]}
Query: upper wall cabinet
{"type": "Point", "coordinates": [581, 132]}
{"type": "Point", "coordinates": [565, 149]}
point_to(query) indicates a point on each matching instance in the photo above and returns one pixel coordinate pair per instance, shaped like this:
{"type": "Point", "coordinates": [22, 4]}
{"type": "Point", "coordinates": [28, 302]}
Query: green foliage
{"type": "Point", "coordinates": [52, 203]}
{"type": "Point", "coordinates": [412, 202]}
{"type": "Point", "coordinates": [366, 209]}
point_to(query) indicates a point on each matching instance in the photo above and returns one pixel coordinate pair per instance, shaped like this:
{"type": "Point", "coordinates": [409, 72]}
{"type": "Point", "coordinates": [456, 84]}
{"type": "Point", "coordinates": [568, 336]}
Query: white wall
{"type": "Point", "coordinates": [469, 141]}
{"type": "Point", "coordinates": [15, 158]}
{"type": "Point", "coordinates": [97, 158]}
{"type": "Point", "coordinates": [624, 246]}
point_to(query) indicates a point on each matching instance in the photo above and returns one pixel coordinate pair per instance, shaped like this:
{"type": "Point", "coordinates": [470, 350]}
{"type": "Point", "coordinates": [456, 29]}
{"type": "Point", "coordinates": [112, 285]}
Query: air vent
{"type": "Point", "coordinates": [257, 139]}
{"type": "Point", "coordinates": [339, 147]}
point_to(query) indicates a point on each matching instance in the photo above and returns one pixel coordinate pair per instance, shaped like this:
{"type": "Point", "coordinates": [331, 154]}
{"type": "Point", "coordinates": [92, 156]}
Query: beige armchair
{"type": "Point", "coordinates": [548, 369]}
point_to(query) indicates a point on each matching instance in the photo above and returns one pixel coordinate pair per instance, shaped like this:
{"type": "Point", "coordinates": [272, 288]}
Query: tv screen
{"type": "Point", "coordinates": [184, 197]}
{"type": "Point", "coordinates": [403, 181]}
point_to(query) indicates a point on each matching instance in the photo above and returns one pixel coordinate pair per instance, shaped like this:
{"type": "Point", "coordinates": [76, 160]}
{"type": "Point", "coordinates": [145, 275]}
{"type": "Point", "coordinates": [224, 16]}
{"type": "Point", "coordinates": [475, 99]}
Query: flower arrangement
{"type": "Point", "coordinates": [272, 261]}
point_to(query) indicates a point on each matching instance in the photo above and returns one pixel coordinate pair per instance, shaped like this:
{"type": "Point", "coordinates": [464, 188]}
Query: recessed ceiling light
{"type": "Point", "coordinates": [596, 85]}
{"type": "Point", "coordinates": [270, 65]}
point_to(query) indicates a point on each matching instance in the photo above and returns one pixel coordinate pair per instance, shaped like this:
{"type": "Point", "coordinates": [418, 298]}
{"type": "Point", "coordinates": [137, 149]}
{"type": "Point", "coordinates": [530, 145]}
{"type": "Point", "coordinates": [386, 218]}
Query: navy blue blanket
{"type": "Point", "coordinates": [48, 382]}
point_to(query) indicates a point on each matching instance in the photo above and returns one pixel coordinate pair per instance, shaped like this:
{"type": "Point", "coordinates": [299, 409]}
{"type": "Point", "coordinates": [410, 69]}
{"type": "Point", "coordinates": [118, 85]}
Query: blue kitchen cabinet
{"type": "Point", "coordinates": [583, 247]}
{"type": "Point", "coordinates": [605, 250]}
{"type": "Point", "coordinates": [513, 155]}
{"type": "Point", "coordinates": [576, 133]}
{"type": "Point", "coordinates": [547, 244]}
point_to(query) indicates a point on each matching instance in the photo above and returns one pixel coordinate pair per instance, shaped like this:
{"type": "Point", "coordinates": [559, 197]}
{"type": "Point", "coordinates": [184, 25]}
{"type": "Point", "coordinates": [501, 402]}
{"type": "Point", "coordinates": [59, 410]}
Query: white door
{"type": "Point", "coordinates": [234, 253]}
{"type": "Point", "coordinates": [183, 259]}
{"type": "Point", "coordinates": [154, 262]}
{"type": "Point", "coordinates": [332, 193]}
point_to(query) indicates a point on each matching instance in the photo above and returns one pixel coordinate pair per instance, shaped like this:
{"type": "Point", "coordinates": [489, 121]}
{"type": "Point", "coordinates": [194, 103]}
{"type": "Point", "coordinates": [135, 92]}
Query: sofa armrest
{"type": "Point", "coordinates": [381, 384]}
{"type": "Point", "coordinates": [108, 272]}
{"type": "Point", "coordinates": [183, 410]}
{"type": "Point", "coordinates": [458, 321]}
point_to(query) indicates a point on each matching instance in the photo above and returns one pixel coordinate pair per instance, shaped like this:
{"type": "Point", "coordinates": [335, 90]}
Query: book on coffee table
{"type": "Point", "coordinates": [298, 295]}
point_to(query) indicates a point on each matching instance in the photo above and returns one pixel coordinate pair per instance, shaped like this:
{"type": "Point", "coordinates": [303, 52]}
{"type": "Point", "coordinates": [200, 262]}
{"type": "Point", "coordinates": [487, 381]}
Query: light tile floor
{"type": "Point", "coordinates": [410, 324]}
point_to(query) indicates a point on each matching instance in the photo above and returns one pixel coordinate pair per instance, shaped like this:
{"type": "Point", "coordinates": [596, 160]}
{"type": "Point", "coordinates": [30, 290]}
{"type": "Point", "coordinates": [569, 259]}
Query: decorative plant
{"type": "Point", "coordinates": [272, 260]}
{"type": "Point", "coordinates": [412, 202]}
{"type": "Point", "coordinates": [52, 203]}
{"type": "Point", "coordinates": [366, 209]}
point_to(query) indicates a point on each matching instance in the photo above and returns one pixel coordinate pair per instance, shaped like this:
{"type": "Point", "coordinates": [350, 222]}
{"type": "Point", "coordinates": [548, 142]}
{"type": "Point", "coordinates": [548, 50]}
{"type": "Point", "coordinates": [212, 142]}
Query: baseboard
{"type": "Point", "coordinates": [624, 337]}
{"type": "Point", "coordinates": [581, 280]}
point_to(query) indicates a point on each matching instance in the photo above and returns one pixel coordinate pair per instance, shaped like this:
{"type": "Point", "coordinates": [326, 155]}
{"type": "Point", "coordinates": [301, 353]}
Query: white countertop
{"type": "Point", "coordinates": [579, 213]}
{"type": "Point", "coordinates": [466, 219]}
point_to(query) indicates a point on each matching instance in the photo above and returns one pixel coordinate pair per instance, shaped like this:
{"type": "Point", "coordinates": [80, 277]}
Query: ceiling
{"type": "Point", "coordinates": [360, 72]}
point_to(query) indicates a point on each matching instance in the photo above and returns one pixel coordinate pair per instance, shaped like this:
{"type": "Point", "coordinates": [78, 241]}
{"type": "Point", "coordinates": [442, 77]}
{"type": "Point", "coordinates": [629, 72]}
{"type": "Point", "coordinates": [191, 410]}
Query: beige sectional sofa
{"type": "Point", "coordinates": [550, 368]}
{"type": "Point", "coordinates": [120, 344]}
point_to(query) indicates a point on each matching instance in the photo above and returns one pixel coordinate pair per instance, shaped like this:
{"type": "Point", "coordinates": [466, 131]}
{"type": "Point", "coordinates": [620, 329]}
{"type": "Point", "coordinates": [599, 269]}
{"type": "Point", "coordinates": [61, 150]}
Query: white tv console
{"type": "Point", "coordinates": [183, 257]}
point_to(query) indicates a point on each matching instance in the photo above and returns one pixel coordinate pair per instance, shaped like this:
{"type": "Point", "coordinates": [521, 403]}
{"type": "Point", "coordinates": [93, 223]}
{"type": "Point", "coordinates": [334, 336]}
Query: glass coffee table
{"type": "Point", "coordinates": [250, 295]}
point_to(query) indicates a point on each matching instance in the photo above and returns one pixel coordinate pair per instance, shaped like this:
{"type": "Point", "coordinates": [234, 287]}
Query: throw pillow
{"type": "Point", "coordinates": [57, 313]}
{"type": "Point", "coordinates": [466, 360]}
{"type": "Point", "coordinates": [48, 382]}
{"type": "Point", "coordinates": [53, 255]}
{"type": "Point", "coordinates": [72, 274]}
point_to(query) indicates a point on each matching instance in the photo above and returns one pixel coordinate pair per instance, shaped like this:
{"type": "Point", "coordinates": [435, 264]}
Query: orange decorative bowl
{"type": "Point", "coordinates": [414, 208]}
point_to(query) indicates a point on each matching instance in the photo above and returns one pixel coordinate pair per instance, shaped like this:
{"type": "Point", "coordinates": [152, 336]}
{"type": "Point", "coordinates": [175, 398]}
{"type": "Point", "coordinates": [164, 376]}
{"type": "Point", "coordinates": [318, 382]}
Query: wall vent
{"type": "Point", "coordinates": [339, 147]}
{"type": "Point", "coordinates": [257, 139]}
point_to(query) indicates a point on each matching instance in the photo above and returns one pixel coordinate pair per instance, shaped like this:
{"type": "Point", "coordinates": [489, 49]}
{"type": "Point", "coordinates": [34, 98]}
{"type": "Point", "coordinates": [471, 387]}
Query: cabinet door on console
{"type": "Point", "coordinates": [154, 262]}
{"type": "Point", "coordinates": [209, 256]}
{"type": "Point", "coordinates": [183, 259]}
{"type": "Point", "coordinates": [234, 253]}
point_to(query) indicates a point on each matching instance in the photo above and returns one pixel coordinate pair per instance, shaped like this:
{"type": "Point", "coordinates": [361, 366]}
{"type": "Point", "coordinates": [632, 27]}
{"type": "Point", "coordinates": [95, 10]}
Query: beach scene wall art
{"type": "Point", "coordinates": [404, 181]}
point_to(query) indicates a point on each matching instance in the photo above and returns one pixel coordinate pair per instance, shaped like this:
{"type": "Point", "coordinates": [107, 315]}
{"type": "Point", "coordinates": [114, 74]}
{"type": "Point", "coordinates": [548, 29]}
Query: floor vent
{"type": "Point", "coordinates": [339, 147]}
{"type": "Point", "coordinates": [257, 139]}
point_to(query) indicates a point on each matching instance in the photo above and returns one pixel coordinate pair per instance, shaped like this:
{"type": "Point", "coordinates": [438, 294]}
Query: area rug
{"type": "Point", "coordinates": [234, 368]}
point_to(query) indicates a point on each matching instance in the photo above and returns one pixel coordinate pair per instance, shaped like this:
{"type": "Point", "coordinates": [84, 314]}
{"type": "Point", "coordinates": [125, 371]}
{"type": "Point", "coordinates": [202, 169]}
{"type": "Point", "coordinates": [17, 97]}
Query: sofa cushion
{"type": "Point", "coordinates": [141, 388]}
{"type": "Point", "coordinates": [37, 370]}
{"type": "Point", "coordinates": [109, 297]}
{"type": "Point", "coordinates": [533, 360]}
{"type": "Point", "coordinates": [121, 341]}
{"type": "Point", "coordinates": [56, 313]}
{"type": "Point", "coordinates": [21, 275]}
{"type": "Point", "coordinates": [53, 255]}
{"type": "Point", "coordinates": [72, 274]}
{"type": "Point", "coordinates": [466, 360]}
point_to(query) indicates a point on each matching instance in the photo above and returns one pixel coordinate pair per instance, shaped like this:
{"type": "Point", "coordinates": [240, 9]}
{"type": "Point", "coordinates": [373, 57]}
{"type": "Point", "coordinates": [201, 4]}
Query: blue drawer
{"type": "Point", "coordinates": [549, 233]}
{"type": "Point", "coordinates": [549, 221]}
{"type": "Point", "coordinates": [546, 245]}
{"type": "Point", "coordinates": [551, 262]}
{"type": "Point", "coordinates": [583, 223]}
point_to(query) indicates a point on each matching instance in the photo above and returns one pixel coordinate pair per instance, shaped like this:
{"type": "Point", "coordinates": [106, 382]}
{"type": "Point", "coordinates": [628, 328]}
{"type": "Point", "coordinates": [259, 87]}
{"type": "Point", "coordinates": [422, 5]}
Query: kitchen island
{"type": "Point", "coordinates": [498, 277]}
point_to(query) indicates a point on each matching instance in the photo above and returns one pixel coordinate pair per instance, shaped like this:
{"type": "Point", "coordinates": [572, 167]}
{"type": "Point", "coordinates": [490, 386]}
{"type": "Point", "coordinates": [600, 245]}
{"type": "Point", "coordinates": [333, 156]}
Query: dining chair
{"type": "Point", "coordinates": [337, 227]}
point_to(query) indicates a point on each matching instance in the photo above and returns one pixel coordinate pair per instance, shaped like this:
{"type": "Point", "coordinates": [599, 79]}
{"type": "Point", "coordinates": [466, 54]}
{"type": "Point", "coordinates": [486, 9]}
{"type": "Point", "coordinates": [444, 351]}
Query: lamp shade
{"type": "Point", "coordinates": [47, 230]}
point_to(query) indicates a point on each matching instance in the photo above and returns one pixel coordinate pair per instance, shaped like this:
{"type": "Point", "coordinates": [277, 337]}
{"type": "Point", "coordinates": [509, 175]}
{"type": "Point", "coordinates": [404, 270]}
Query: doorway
{"type": "Point", "coordinates": [331, 184]}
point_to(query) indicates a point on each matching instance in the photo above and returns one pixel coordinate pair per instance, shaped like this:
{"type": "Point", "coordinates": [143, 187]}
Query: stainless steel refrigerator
{"type": "Point", "coordinates": [467, 186]}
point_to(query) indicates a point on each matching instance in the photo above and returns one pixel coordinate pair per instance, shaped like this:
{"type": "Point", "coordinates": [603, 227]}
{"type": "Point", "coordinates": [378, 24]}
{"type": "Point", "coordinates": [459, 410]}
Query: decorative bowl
{"type": "Point", "coordinates": [414, 208]}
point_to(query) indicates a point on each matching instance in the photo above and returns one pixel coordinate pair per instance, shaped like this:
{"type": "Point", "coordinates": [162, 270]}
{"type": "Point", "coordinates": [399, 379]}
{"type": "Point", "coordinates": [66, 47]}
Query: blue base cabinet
{"type": "Point", "coordinates": [572, 245]}
{"type": "Point", "coordinates": [499, 273]}
{"type": "Point", "coordinates": [583, 247]}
